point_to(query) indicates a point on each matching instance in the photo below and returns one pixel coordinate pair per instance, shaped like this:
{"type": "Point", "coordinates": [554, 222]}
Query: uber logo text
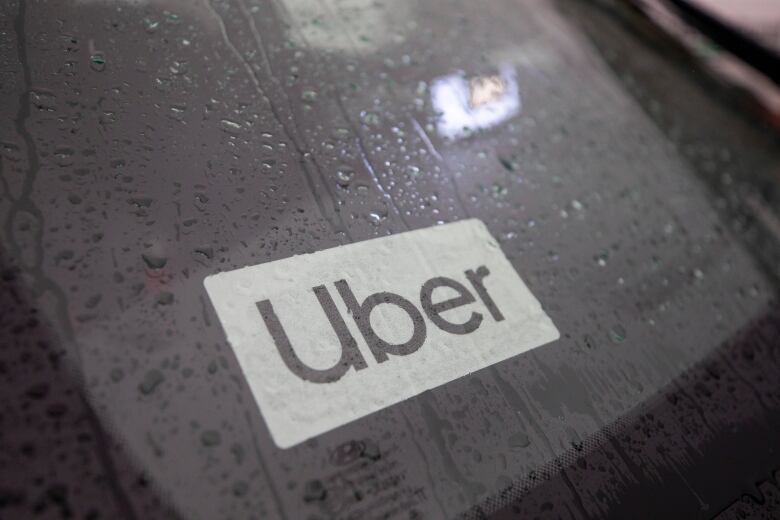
{"type": "Point", "coordinates": [327, 338]}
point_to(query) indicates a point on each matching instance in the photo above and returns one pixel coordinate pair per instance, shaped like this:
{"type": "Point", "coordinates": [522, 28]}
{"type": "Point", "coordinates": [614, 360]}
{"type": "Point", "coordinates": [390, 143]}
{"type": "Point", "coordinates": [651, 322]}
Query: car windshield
{"type": "Point", "coordinates": [618, 163]}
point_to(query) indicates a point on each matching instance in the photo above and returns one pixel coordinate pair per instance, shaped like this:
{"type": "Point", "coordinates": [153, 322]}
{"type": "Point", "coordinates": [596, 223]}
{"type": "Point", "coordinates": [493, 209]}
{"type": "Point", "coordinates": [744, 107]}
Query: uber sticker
{"type": "Point", "coordinates": [327, 338]}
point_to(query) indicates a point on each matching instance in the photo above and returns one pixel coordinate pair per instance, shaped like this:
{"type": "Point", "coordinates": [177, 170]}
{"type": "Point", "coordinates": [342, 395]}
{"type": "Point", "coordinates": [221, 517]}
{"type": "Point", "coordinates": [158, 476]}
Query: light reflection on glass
{"type": "Point", "coordinates": [466, 105]}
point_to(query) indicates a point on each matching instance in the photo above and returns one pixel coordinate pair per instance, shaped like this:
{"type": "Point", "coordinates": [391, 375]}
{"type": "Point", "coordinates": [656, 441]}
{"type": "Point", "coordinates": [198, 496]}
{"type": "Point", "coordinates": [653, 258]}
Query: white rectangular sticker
{"type": "Point", "coordinates": [330, 337]}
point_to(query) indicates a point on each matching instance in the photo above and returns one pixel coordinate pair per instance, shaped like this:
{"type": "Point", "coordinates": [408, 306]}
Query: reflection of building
{"type": "Point", "coordinates": [466, 105]}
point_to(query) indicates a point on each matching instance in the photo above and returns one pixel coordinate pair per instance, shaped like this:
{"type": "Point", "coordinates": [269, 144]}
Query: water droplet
{"type": "Point", "coordinates": [314, 491]}
{"type": "Point", "coordinates": [63, 156]}
{"type": "Point", "coordinates": [165, 298]}
{"type": "Point", "coordinates": [345, 175]}
{"type": "Point", "coordinates": [229, 126]}
{"type": "Point", "coordinates": [154, 262]}
{"type": "Point", "coordinates": [519, 440]}
{"type": "Point", "coordinates": [210, 438]}
{"type": "Point", "coordinates": [151, 381]}
{"type": "Point", "coordinates": [370, 450]}
{"type": "Point", "coordinates": [43, 101]}
{"type": "Point", "coordinates": [203, 254]}
{"type": "Point", "coordinates": [370, 118]}
{"type": "Point", "coordinates": [412, 171]}
{"type": "Point", "coordinates": [97, 62]}
{"type": "Point", "coordinates": [178, 68]}
{"type": "Point", "coordinates": [151, 25]}
{"type": "Point", "coordinates": [617, 334]}
{"type": "Point", "coordinates": [171, 18]}
{"type": "Point", "coordinates": [117, 374]}
{"type": "Point", "coordinates": [38, 391]}
{"type": "Point", "coordinates": [240, 488]}
{"type": "Point", "coordinates": [498, 191]}
{"type": "Point", "coordinates": [509, 165]}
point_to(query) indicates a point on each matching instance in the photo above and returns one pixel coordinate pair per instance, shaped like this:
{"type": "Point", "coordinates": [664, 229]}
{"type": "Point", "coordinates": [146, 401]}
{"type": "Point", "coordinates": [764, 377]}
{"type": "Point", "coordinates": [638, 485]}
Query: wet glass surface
{"type": "Point", "coordinates": [147, 145]}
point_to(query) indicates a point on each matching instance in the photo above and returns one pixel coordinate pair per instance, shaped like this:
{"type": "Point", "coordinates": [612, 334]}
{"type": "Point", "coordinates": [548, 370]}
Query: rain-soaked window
{"type": "Point", "coordinates": [389, 259]}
